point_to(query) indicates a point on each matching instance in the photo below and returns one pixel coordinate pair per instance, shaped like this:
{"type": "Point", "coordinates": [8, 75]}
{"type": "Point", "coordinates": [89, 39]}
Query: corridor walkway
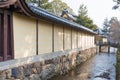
{"type": "Point", "coordinates": [100, 67]}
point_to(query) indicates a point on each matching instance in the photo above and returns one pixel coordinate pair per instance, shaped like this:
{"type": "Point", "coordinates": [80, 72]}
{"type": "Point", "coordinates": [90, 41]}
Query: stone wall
{"type": "Point", "coordinates": [42, 67]}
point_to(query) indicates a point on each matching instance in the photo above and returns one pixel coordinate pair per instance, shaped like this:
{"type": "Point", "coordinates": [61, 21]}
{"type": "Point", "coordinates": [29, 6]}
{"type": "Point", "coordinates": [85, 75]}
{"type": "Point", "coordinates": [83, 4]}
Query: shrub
{"type": "Point", "coordinates": [118, 63]}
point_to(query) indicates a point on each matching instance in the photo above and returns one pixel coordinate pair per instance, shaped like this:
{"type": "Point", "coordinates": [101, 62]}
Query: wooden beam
{"type": "Point", "coordinates": [5, 48]}
{"type": "Point", "coordinates": [37, 37]}
{"type": "Point", "coordinates": [1, 36]}
{"type": "Point", "coordinates": [12, 35]}
{"type": "Point", "coordinates": [52, 37]}
{"type": "Point", "coordinates": [63, 37]}
{"type": "Point", "coordinates": [7, 3]}
{"type": "Point", "coordinates": [77, 38]}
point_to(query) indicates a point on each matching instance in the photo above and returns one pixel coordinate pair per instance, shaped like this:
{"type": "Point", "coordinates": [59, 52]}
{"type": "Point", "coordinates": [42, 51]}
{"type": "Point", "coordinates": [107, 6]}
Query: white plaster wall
{"type": "Point", "coordinates": [24, 36]}
{"type": "Point", "coordinates": [58, 37]}
{"type": "Point", "coordinates": [74, 38]}
{"type": "Point", "coordinates": [83, 41]}
{"type": "Point", "coordinates": [79, 39]}
{"type": "Point", "coordinates": [67, 38]}
{"type": "Point", "coordinates": [93, 41]}
{"type": "Point", "coordinates": [89, 41]}
{"type": "Point", "coordinates": [44, 37]}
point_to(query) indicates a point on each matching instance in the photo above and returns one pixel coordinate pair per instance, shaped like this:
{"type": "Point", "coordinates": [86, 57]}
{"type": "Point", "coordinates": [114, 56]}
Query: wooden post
{"type": "Point", "coordinates": [109, 48]}
{"type": "Point", "coordinates": [37, 37]}
{"type": "Point", "coordinates": [99, 48]}
{"type": "Point", "coordinates": [63, 37]}
{"type": "Point", "coordinates": [53, 37]}
{"type": "Point", "coordinates": [5, 37]}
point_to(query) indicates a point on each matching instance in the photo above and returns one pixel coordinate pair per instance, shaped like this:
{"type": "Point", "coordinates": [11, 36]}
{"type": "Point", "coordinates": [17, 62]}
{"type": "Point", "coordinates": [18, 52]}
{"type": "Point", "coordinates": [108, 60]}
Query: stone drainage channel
{"type": "Point", "coordinates": [99, 67]}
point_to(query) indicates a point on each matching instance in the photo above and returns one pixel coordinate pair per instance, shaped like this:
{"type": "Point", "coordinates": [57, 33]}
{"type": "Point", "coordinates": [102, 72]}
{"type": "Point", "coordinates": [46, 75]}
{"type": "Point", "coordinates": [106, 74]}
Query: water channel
{"type": "Point", "coordinates": [99, 67]}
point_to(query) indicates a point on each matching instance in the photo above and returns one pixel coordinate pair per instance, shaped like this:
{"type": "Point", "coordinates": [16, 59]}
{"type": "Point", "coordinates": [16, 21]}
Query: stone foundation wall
{"type": "Point", "coordinates": [43, 67]}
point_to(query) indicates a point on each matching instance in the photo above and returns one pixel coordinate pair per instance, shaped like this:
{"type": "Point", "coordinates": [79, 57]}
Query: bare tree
{"type": "Point", "coordinates": [117, 4]}
{"type": "Point", "coordinates": [115, 31]}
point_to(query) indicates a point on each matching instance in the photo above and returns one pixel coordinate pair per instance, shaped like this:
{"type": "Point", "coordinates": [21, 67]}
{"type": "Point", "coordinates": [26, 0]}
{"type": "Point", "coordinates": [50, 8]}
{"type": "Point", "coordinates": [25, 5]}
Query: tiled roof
{"type": "Point", "coordinates": [52, 17]}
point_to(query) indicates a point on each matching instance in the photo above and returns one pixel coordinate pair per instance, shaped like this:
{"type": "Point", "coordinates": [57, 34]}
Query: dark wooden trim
{"type": "Point", "coordinates": [81, 39]}
{"type": "Point", "coordinates": [100, 48]}
{"type": "Point", "coordinates": [25, 9]}
{"type": "Point", "coordinates": [5, 36]}
{"type": "Point", "coordinates": [37, 37]}
{"type": "Point", "coordinates": [53, 37]}
{"type": "Point", "coordinates": [7, 3]}
{"type": "Point", "coordinates": [1, 35]}
{"type": "Point", "coordinates": [63, 37]}
{"type": "Point", "coordinates": [8, 37]}
{"type": "Point", "coordinates": [77, 37]}
{"type": "Point", "coordinates": [1, 58]}
{"type": "Point", "coordinates": [1, 11]}
{"type": "Point", "coordinates": [12, 35]}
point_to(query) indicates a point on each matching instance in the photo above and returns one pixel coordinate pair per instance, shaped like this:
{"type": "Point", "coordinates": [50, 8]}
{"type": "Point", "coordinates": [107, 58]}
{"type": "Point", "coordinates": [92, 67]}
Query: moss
{"type": "Point", "coordinates": [118, 59]}
{"type": "Point", "coordinates": [118, 71]}
{"type": "Point", "coordinates": [118, 64]}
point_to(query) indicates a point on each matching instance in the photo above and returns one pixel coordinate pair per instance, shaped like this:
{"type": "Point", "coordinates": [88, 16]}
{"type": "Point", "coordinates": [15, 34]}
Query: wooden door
{"type": "Point", "coordinates": [1, 36]}
{"type": "Point", "coordinates": [6, 36]}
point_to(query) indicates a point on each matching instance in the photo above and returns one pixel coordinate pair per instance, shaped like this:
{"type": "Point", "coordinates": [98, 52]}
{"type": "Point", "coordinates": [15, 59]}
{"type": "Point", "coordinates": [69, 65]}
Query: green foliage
{"type": "Point", "coordinates": [113, 19]}
{"type": "Point", "coordinates": [118, 68]}
{"type": "Point", "coordinates": [45, 4]}
{"type": "Point", "coordinates": [118, 63]}
{"type": "Point", "coordinates": [117, 4]}
{"type": "Point", "coordinates": [58, 6]}
{"type": "Point", "coordinates": [106, 24]}
{"type": "Point", "coordinates": [83, 10]}
{"type": "Point", "coordinates": [83, 18]}
{"type": "Point", "coordinates": [55, 6]}
{"type": "Point", "coordinates": [118, 47]}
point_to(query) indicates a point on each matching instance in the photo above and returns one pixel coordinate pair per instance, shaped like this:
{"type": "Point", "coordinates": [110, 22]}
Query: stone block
{"type": "Point", "coordinates": [58, 68]}
{"type": "Point", "coordinates": [34, 77]}
{"type": "Point", "coordinates": [42, 62]}
{"type": "Point", "coordinates": [16, 72]}
{"type": "Point", "coordinates": [17, 79]}
{"type": "Point", "coordinates": [49, 61]}
{"type": "Point", "coordinates": [56, 60]}
{"type": "Point", "coordinates": [47, 72]}
{"type": "Point", "coordinates": [12, 78]}
{"type": "Point", "coordinates": [27, 70]}
{"type": "Point", "coordinates": [45, 69]}
{"type": "Point", "coordinates": [2, 75]}
{"type": "Point", "coordinates": [78, 60]}
{"type": "Point", "coordinates": [37, 65]}
{"type": "Point", "coordinates": [39, 70]}
{"type": "Point", "coordinates": [2, 78]}
{"type": "Point", "coordinates": [47, 66]}
{"type": "Point", "coordinates": [26, 79]}
{"type": "Point", "coordinates": [63, 59]}
{"type": "Point", "coordinates": [34, 71]}
{"type": "Point", "coordinates": [8, 73]}
{"type": "Point", "coordinates": [67, 65]}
